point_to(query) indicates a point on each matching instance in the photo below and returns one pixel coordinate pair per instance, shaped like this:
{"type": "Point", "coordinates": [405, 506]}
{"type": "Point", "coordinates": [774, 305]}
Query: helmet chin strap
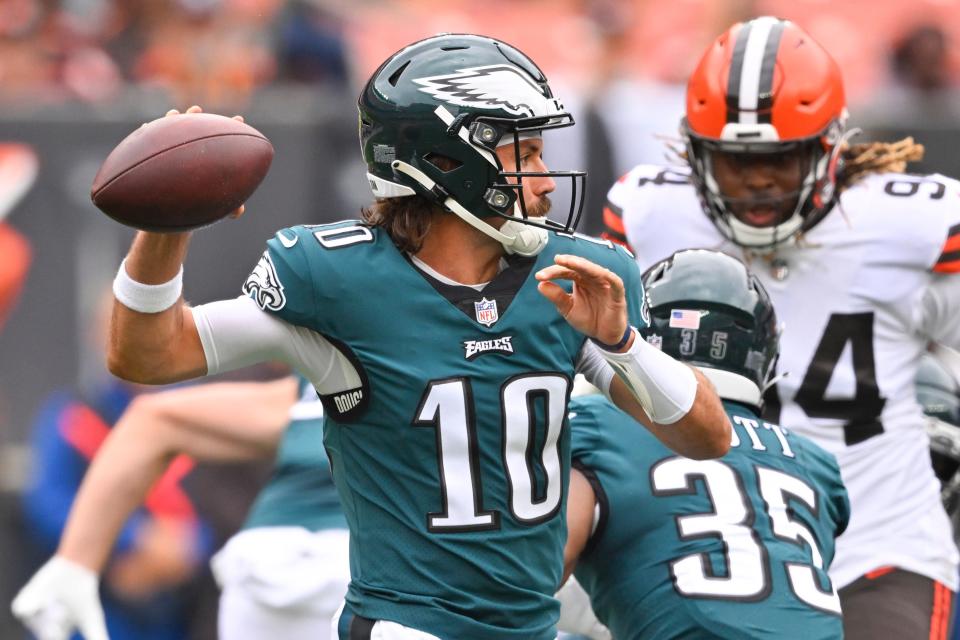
{"type": "Point", "coordinates": [516, 237]}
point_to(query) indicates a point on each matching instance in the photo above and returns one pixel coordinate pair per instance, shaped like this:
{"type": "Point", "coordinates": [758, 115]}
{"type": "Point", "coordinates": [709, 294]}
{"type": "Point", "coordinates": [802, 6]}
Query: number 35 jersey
{"type": "Point", "coordinates": [860, 296]}
{"type": "Point", "coordinates": [451, 457]}
{"type": "Point", "coordinates": [736, 547]}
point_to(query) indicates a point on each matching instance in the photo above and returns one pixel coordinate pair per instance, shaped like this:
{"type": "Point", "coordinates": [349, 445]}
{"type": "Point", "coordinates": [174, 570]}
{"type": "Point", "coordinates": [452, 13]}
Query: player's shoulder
{"type": "Point", "coordinates": [914, 204]}
{"type": "Point", "coordinates": [588, 416]}
{"type": "Point", "coordinates": [649, 181]}
{"type": "Point", "coordinates": [319, 237]}
{"type": "Point", "coordinates": [602, 251]}
{"type": "Point", "coordinates": [913, 216]}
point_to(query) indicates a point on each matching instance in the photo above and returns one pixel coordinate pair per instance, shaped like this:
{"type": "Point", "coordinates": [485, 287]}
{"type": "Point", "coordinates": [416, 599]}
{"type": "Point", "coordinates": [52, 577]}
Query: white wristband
{"type": "Point", "coordinates": [664, 387]}
{"type": "Point", "coordinates": [146, 298]}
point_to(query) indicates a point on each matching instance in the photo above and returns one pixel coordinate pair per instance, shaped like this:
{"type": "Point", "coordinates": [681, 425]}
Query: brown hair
{"type": "Point", "coordinates": [406, 220]}
{"type": "Point", "coordinates": [877, 157]}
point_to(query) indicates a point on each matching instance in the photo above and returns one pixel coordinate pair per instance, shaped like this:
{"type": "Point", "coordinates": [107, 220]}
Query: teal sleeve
{"type": "Point", "coordinates": [583, 428]}
{"type": "Point", "coordinates": [636, 300]}
{"type": "Point", "coordinates": [281, 283]}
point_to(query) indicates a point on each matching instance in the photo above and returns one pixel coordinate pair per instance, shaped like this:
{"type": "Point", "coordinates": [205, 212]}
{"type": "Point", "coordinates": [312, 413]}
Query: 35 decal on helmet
{"type": "Point", "coordinates": [707, 309]}
{"type": "Point", "coordinates": [765, 90]}
{"type": "Point", "coordinates": [432, 117]}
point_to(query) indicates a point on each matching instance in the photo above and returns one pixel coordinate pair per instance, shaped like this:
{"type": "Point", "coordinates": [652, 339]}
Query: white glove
{"type": "Point", "coordinates": [576, 614]}
{"type": "Point", "coordinates": [60, 598]}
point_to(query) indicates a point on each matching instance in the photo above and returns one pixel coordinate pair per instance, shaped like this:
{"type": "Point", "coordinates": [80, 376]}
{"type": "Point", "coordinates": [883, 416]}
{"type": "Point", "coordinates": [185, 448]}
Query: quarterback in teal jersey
{"type": "Point", "coordinates": [442, 332]}
{"type": "Point", "coordinates": [282, 576]}
{"type": "Point", "coordinates": [737, 547]}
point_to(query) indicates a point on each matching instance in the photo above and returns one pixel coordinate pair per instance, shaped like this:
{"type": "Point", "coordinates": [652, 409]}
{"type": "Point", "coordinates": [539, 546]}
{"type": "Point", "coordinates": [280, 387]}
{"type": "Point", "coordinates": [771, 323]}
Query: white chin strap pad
{"type": "Point", "coordinates": [527, 240]}
{"type": "Point", "coordinates": [515, 236]}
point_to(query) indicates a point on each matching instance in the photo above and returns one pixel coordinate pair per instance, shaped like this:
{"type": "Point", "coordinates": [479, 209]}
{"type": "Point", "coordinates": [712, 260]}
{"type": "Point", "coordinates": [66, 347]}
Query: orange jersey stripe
{"type": "Point", "coordinates": [952, 244]}
{"type": "Point", "coordinates": [937, 615]}
{"type": "Point", "coordinates": [613, 221]}
{"type": "Point", "coordinates": [612, 237]}
{"type": "Point", "coordinates": [952, 266]}
{"type": "Point", "coordinates": [876, 573]}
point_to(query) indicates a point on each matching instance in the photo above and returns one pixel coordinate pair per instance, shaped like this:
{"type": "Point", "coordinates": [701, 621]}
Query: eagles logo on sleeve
{"type": "Point", "coordinates": [264, 286]}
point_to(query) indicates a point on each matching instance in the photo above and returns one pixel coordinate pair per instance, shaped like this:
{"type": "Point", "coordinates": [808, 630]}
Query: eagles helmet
{"type": "Point", "coordinates": [939, 396]}
{"type": "Point", "coordinates": [707, 309]}
{"type": "Point", "coordinates": [459, 97]}
{"type": "Point", "coordinates": [763, 89]}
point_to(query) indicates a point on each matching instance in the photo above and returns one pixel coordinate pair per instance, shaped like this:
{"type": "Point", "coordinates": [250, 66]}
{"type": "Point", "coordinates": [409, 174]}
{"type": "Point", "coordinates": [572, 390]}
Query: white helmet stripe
{"type": "Point", "coordinates": [751, 71]}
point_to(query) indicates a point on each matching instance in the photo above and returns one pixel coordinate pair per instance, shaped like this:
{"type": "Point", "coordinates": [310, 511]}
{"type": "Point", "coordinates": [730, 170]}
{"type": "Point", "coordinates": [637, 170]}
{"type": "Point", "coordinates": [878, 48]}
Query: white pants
{"type": "Point", "coordinates": [385, 630]}
{"type": "Point", "coordinates": [382, 629]}
{"type": "Point", "coordinates": [281, 583]}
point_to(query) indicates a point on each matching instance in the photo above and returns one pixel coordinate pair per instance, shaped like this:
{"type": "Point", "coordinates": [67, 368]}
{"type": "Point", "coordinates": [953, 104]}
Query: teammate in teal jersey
{"type": "Point", "coordinates": [442, 333]}
{"type": "Point", "coordinates": [282, 576]}
{"type": "Point", "coordinates": [732, 548]}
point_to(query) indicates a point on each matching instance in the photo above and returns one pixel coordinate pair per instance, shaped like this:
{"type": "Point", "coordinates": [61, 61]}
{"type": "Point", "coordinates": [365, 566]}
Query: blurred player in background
{"type": "Point", "coordinates": [440, 344]}
{"type": "Point", "coordinates": [18, 172]}
{"type": "Point", "coordinates": [939, 395]}
{"type": "Point", "coordinates": [151, 578]}
{"type": "Point", "coordinates": [860, 261]}
{"type": "Point", "coordinates": [282, 576]}
{"type": "Point", "coordinates": [738, 547]}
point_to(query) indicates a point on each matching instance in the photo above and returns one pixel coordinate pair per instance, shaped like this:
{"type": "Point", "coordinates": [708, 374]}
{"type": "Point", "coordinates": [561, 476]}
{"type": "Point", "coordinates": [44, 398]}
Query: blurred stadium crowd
{"type": "Point", "coordinates": [622, 61]}
{"type": "Point", "coordinates": [220, 52]}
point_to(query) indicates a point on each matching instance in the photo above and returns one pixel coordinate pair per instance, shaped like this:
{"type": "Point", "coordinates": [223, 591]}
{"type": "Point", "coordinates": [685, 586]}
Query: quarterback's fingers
{"type": "Point", "coordinates": [586, 268]}
{"type": "Point", "coordinates": [171, 112]}
{"type": "Point", "coordinates": [594, 275]}
{"type": "Point", "coordinates": [194, 109]}
{"type": "Point", "coordinates": [553, 292]}
{"type": "Point", "coordinates": [238, 117]}
{"type": "Point", "coordinates": [556, 272]}
{"type": "Point", "coordinates": [237, 213]}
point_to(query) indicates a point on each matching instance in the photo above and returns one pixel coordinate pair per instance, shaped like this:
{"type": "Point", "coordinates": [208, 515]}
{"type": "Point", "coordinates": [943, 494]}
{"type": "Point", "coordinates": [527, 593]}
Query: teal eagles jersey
{"type": "Point", "coordinates": [452, 456]}
{"type": "Point", "coordinates": [737, 547]}
{"type": "Point", "coordinates": [300, 492]}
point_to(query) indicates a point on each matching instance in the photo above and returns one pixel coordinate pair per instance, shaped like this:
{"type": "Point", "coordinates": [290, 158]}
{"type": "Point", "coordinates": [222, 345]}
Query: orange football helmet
{"type": "Point", "coordinates": [763, 89]}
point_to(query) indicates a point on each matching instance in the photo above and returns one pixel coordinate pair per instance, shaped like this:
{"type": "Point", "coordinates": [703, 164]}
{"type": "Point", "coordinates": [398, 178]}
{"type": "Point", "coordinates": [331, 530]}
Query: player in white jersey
{"type": "Point", "coordinates": [860, 261]}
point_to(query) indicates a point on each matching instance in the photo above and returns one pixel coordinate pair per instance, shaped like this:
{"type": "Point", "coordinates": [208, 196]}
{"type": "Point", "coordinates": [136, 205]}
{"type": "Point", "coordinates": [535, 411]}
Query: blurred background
{"type": "Point", "coordinates": [76, 76]}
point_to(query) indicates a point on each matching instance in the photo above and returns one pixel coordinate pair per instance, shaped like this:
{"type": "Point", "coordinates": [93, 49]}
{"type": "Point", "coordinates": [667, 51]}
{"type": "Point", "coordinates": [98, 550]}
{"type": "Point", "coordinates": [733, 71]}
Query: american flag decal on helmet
{"type": "Point", "coordinates": [685, 319]}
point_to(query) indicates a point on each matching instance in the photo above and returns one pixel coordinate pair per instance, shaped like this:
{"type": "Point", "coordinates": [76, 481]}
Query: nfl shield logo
{"type": "Point", "coordinates": [486, 311]}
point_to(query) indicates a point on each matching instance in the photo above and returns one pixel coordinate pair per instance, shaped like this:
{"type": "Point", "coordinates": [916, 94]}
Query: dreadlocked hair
{"type": "Point", "coordinates": [406, 220]}
{"type": "Point", "coordinates": [876, 157]}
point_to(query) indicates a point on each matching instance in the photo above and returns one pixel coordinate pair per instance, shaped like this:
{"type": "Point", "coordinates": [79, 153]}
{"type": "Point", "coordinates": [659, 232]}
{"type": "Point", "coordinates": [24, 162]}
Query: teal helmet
{"type": "Point", "coordinates": [707, 309]}
{"type": "Point", "coordinates": [458, 98]}
{"type": "Point", "coordinates": [939, 395]}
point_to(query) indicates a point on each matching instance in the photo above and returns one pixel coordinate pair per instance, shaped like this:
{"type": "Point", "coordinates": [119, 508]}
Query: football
{"type": "Point", "coordinates": [181, 172]}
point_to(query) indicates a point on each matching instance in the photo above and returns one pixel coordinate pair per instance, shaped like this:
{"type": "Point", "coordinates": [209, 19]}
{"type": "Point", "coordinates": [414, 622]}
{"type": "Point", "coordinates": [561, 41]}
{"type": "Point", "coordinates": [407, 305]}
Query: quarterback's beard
{"type": "Point", "coordinates": [540, 209]}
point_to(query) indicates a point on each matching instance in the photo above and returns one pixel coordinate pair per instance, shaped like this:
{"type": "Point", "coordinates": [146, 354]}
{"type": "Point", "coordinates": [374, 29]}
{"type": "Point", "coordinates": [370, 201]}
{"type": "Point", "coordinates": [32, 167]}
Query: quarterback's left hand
{"type": "Point", "coordinates": [597, 307]}
{"type": "Point", "coordinates": [60, 598]}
